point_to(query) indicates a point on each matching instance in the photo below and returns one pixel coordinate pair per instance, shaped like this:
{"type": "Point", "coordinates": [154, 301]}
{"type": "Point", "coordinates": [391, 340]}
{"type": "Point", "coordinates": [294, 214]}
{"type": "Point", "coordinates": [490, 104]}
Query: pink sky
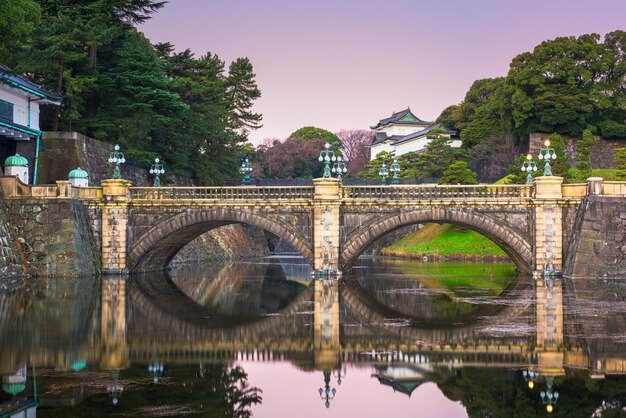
{"type": "Point", "coordinates": [289, 392]}
{"type": "Point", "coordinates": [345, 64]}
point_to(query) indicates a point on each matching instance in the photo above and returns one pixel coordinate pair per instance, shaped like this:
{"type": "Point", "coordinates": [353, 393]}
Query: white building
{"type": "Point", "coordinates": [19, 115]}
{"type": "Point", "coordinates": [404, 132]}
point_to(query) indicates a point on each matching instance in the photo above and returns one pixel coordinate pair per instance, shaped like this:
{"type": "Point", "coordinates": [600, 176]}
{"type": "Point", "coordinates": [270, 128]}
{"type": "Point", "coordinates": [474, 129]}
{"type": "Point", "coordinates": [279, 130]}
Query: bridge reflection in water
{"type": "Point", "coordinates": [248, 312]}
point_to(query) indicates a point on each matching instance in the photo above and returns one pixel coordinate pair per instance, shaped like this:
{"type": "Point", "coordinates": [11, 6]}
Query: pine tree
{"type": "Point", "coordinates": [242, 92]}
{"type": "Point", "coordinates": [620, 161]}
{"type": "Point", "coordinates": [583, 155]}
{"type": "Point", "coordinates": [458, 173]}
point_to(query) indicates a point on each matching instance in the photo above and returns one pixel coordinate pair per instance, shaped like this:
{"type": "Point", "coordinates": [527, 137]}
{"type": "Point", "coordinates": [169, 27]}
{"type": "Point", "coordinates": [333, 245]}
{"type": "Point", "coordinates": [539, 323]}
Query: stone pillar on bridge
{"type": "Point", "coordinates": [326, 324]}
{"type": "Point", "coordinates": [114, 225]}
{"type": "Point", "coordinates": [548, 245]}
{"type": "Point", "coordinates": [327, 200]}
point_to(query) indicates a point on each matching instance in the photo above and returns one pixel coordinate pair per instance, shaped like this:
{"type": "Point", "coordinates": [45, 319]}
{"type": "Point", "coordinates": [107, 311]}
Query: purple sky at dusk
{"type": "Point", "coordinates": [346, 64]}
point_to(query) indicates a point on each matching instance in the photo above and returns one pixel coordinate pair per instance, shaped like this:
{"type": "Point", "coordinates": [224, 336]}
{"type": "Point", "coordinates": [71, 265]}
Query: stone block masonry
{"type": "Point", "coordinates": [598, 246]}
{"type": "Point", "coordinates": [54, 237]}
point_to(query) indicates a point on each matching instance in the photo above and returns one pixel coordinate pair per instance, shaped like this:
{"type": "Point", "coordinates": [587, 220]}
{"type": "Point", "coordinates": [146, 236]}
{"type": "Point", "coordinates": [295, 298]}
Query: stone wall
{"type": "Point", "coordinates": [54, 237]}
{"type": "Point", "coordinates": [602, 155]}
{"type": "Point", "coordinates": [10, 263]}
{"type": "Point", "coordinates": [230, 242]}
{"type": "Point", "coordinates": [598, 245]}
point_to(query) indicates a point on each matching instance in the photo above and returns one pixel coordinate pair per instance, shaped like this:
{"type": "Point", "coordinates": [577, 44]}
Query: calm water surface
{"type": "Point", "coordinates": [260, 338]}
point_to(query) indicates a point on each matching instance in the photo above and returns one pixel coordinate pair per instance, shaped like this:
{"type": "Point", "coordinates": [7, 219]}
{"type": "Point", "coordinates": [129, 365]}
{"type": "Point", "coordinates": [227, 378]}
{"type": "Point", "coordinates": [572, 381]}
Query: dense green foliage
{"type": "Point", "coordinates": [458, 173]}
{"type": "Point", "coordinates": [372, 168]}
{"type": "Point", "coordinates": [620, 160]}
{"type": "Point", "coordinates": [565, 85]}
{"type": "Point", "coordinates": [194, 113]}
{"type": "Point", "coordinates": [583, 155]}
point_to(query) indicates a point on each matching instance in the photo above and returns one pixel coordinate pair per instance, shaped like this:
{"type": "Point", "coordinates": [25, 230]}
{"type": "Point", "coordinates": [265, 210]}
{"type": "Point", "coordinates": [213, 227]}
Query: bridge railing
{"type": "Point", "coordinates": [401, 192]}
{"type": "Point", "coordinates": [222, 193]}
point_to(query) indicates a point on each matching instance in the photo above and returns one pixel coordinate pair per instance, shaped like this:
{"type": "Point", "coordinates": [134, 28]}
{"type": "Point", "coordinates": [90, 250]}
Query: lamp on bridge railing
{"type": "Point", "coordinates": [395, 169]}
{"type": "Point", "coordinates": [383, 173]}
{"type": "Point", "coordinates": [327, 394]}
{"type": "Point", "coordinates": [549, 397]}
{"type": "Point", "coordinates": [245, 170]}
{"type": "Point", "coordinates": [529, 166]}
{"type": "Point", "coordinates": [327, 155]}
{"type": "Point", "coordinates": [117, 158]}
{"type": "Point", "coordinates": [157, 169]}
{"type": "Point", "coordinates": [156, 370]}
{"type": "Point", "coordinates": [547, 154]}
{"type": "Point", "coordinates": [339, 168]}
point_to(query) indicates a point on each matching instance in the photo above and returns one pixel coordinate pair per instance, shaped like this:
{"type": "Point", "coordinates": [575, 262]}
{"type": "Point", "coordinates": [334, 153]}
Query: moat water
{"type": "Point", "coordinates": [261, 338]}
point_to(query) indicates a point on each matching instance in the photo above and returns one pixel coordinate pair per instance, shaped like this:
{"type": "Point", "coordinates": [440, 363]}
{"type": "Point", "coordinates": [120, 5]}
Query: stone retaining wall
{"type": "Point", "coordinates": [602, 155]}
{"type": "Point", "coordinates": [54, 237]}
{"type": "Point", "coordinates": [10, 263]}
{"type": "Point", "coordinates": [598, 245]}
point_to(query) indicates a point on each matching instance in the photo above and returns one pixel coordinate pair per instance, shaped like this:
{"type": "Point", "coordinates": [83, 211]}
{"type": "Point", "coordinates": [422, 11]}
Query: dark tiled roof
{"type": "Point", "coordinates": [396, 119]}
{"type": "Point", "coordinates": [423, 132]}
{"type": "Point", "coordinates": [15, 131]}
{"type": "Point", "coordinates": [399, 139]}
{"type": "Point", "coordinates": [7, 76]}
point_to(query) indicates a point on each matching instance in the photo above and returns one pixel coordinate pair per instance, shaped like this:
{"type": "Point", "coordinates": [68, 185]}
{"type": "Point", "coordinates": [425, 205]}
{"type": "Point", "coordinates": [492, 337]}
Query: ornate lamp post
{"type": "Point", "coordinates": [327, 394]}
{"type": "Point", "coordinates": [245, 170]}
{"type": "Point", "coordinates": [395, 169]}
{"type": "Point", "coordinates": [531, 377]}
{"type": "Point", "coordinates": [383, 173]}
{"type": "Point", "coordinates": [339, 167]}
{"type": "Point", "coordinates": [157, 169]}
{"type": "Point", "coordinates": [546, 154]}
{"type": "Point", "coordinates": [549, 398]}
{"type": "Point", "coordinates": [117, 158]}
{"type": "Point", "coordinates": [327, 155]}
{"type": "Point", "coordinates": [529, 166]}
{"type": "Point", "coordinates": [156, 370]}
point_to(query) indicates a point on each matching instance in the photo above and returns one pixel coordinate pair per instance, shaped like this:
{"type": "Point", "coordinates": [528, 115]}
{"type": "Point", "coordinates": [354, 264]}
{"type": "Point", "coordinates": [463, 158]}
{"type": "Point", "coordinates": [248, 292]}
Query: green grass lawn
{"type": "Point", "coordinates": [444, 240]}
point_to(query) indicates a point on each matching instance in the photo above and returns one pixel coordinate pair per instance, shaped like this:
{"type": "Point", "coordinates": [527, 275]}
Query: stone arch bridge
{"type": "Point", "coordinates": [142, 228]}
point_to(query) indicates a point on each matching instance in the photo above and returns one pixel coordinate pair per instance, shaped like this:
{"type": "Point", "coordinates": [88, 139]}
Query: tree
{"type": "Point", "coordinates": [354, 145]}
{"type": "Point", "coordinates": [308, 133]}
{"type": "Point", "coordinates": [291, 158]}
{"type": "Point", "coordinates": [583, 155]}
{"type": "Point", "coordinates": [430, 164]}
{"type": "Point", "coordinates": [18, 19]}
{"type": "Point", "coordinates": [620, 161]}
{"type": "Point", "coordinates": [371, 169]}
{"type": "Point", "coordinates": [242, 91]}
{"type": "Point", "coordinates": [458, 173]}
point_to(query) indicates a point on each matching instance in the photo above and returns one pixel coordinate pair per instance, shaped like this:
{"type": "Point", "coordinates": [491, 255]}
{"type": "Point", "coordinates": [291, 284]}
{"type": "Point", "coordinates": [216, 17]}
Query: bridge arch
{"type": "Point", "coordinates": [517, 246]}
{"type": "Point", "coordinates": [154, 249]}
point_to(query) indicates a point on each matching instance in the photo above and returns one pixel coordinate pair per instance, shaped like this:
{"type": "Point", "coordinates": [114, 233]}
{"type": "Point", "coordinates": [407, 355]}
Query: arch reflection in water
{"type": "Point", "coordinates": [561, 327]}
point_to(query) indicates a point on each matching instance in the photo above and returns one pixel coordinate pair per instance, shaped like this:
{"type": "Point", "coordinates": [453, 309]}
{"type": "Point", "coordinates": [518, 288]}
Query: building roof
{"type": "Point", "coordinates": [16, 161]}
{"type": "Point", "coordinates": [7, 76]}
{"type": "Point", "coordinates": [78, 173]}
{"type": "Point", "coordinates": [381, 137]}
{"type": "Point", "coordinates": [16, 131]}
{"type": "Point", "coordinates": [403, 117]}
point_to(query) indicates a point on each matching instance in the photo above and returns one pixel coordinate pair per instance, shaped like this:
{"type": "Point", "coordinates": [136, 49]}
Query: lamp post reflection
{"type": "Point", "coordinates": [327, 393]}
{"type": "Point", "coordinates": [116, 389]}
{"type": "Point", "coordinates": [339, 374]}
{"type": "Point", "coordinates": [156, 370]}
{"type": "Point", "coordinates": [549, 397]}
{"type": "Point", "coordinates": [530, 376]}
